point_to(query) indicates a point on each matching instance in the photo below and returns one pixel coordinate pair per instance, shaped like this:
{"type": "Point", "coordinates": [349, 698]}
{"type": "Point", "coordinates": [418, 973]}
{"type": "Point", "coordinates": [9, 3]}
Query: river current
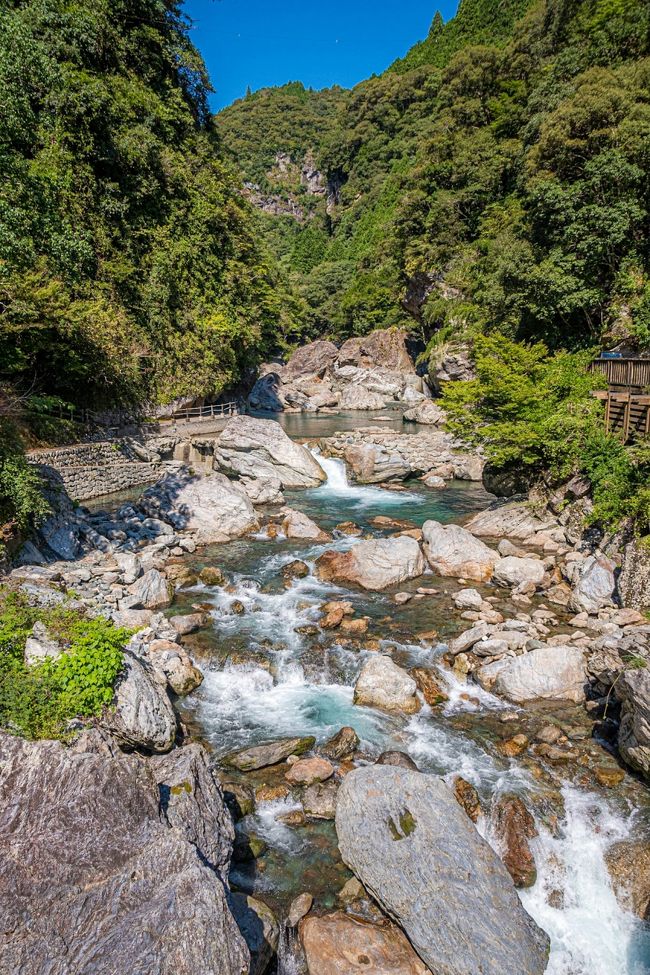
{"type": "Point", "coordinates": [270, 673]}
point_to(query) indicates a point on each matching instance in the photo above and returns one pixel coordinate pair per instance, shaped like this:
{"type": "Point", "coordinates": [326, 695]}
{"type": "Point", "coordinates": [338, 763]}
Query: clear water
{"type": "Point", "coordinates": [267, 677]}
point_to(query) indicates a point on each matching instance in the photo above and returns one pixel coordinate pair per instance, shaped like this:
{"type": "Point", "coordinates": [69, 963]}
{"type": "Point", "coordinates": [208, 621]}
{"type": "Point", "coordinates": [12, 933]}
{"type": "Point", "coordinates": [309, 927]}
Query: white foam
{"type": "Point", "coordinates": [362, 496]}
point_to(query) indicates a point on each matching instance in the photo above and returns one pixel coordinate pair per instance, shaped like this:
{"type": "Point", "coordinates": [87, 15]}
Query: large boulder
{"type": "Point", "coordinates": [382, 684]}
{"type": "Point", "coordinates": [151, 591]}
{"type": "Point", "coordinates": [211, 506]}
{"type": "Point", "coordinates": [633, 689]}
{"type": "Point", "coordinates": [296, 524]}
{"type": "Point", "coordinates": [382, 348]}
{"type": "Point", "coordinates": [544, 674]}
{"type": "Point", "coordinates": [426, 412]}
{"type": "Point", "coordinates": [594, 588]}
{"type": "Point", "coordinates": [372, 464]}
{"type": "Point", "coordinates": [250, 447]}
{"type": "Point", "coordinates": [313, 359]}
{"type": "Point", "coordinates": [267, 395]}
{"type": "Point", "coordinates": [110, 863]}
{"type": "Point", "coordinates": [634, 579]}
{"type": "Point", "coordinates": [453, 551]}
{"type": "Point", "coordinates": [270, 753]}
{"type": "Point", "coordinates": [374, 564]}
{"type": "Point", "coordinates": [513, 571]}
{"type": "Point", "coordinates": [337, 944]}
{"type": "Point", "coordinates": [416, 851]}
{"type": "Point", "coordinates": [360, 398]}
{"type": "Point", "coordinates": [141, 715]}
{"type": "Point", "coordinates": [513, 520]}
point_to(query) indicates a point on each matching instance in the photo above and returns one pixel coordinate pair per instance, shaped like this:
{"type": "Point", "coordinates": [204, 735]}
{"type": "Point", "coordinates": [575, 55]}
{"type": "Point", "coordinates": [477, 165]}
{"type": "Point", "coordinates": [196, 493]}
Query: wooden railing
{"type": "Point", "coordinates": [624, 373]}
{"type": "Point", "coordinates": [626, 413]}
{"type": "Point", "coordinates": [205, 412]}
{"type": "Point", "coordinates": [118, 418]}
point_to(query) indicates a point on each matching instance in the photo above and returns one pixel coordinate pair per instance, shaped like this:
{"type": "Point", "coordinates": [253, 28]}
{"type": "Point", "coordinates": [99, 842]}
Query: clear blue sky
{"type": "Point", "coordinates": [262, 42]}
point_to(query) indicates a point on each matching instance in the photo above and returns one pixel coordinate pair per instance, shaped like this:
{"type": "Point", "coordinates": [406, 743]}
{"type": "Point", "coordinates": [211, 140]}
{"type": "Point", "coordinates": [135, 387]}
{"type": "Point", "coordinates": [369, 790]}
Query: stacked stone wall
{"type": "Point", "coordinates": [94, 469]}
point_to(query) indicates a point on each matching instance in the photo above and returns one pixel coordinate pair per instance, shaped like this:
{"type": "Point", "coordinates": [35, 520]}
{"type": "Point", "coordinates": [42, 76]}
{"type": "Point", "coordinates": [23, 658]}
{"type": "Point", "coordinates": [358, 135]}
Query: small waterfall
{"type": "Point", "coordinates": [289, 953]}
{"type": "Point", "coordinates": [337, 484]}
{"type": "Point", "coordinates": [337, 475]}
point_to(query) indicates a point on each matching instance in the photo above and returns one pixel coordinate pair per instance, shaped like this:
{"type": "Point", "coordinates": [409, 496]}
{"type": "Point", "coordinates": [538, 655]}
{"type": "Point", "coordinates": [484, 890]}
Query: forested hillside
{"type": "Point", "coordinates": [497, 177]}
{"type": "Point", "coordinates": [129, 265]}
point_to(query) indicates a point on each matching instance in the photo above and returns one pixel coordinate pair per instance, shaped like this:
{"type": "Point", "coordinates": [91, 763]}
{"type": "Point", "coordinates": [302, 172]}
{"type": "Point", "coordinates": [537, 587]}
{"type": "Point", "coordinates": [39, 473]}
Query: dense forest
{"type": "Point", "coordinates": [496, 178]}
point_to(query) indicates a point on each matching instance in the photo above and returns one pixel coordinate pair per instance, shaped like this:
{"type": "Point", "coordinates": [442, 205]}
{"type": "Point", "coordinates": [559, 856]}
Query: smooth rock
{"type": "Point", "coordinates": [374, 564]}
{"type": "Point", "coordinates": [307, 771]}
{"type": "Point", "coordinates": [400, 759]}
{"type": "Point", "coordinates": [250, 447]}
{"type": "Point", "coordinates": [453, 551]}
{"type": "Point", "coordinates": [300, 907]}
{"type": "Point", "coordinates": [319, 800]}
{"type": "Point", "coordinates": [298, 525]}
{"type": "Point", "coordinates": [382, 684]}
{"type": "Point", "coordinates": [359, 398]}
{"type": "Point", "coordinates": [513, 571]}
{"type": "Point", "coordinates": [547, 673]}
{"type": "Point", "coordinates": [338, 944]}
{"type": "Point", "coordinates": [271, 753]}
{"type": "Point", "coordinates": [595, 585]}
{"type": "Point", "coordinates": [416, 851]}
{"type": "Point", "coordinates": [426, 412]}
{"type": "Point", "coordinates": [213, 508]}
{"type": "Point", "coordinates": [263, 490]}
{"type": "Point", "coordinates": [513, 520]}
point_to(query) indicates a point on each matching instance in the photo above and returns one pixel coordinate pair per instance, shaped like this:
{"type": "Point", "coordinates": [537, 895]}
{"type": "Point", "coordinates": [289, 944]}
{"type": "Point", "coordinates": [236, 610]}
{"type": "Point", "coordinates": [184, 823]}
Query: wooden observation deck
{"type": "Point", "coordinates": [627, 401]}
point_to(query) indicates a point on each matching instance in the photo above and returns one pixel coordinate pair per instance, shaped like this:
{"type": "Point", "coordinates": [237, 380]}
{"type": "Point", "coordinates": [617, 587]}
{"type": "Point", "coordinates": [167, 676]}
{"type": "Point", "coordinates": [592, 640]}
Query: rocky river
{"type": "Point", "coordinates": [330, 642]}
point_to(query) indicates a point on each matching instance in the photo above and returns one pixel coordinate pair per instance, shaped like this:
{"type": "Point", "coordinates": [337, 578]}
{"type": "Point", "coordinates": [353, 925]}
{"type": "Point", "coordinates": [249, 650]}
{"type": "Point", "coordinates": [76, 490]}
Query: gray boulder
{"type": "Point", "coordinates": [263, 490]}
{"type": "Point", "coordinates": [513, 571]}
{"type": "Point", "coordinates": [416, 851]}
{"type": "Point", "coordinates": [382, 684]}
{"type": "Point", "coordinates": [513, 520]}
{"type": "Point", "coordinates": [545, 674]}
{"type": "Point", "coordinates": [270, 753]}
{"type": "Point", "coordinates": [141, 715]}
{"type": "Point", "coordinates": [594, 588]}
{"type": "Point", "coordinates": [151, 591]}
{"type": "Point", "coordinates": [375, 564]}
{"type": "Point", "coordinates": [453, 551]}
{"type": "Point", "coordinates": [360, 398]}
{"type": "Point", "coordinates": [61, 535]}
{"type": "Point", "coordinates": [633, 583]}
{"type": "Point", "coordinates": [211, 506]}
{"type": "Point", "coordinates": [40, 646]}
{"type": "Point", "coordinates": [111, 864]}
{"type": "Point", "coordinates": [633, 690]}
{"type": "Point", "coordinates": [426, 412]}
{"type": "Point", "coordinates": [254, 448]}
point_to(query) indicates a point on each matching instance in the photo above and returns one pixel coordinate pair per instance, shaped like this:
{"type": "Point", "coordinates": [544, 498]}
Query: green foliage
{"type": "Point", "coordinates": [534, 412]}
{"type": "Point", "coordinates": [39, 701]}
{"type": "Point", "coordinates": [130, 266]}
{"type": "Point", "coordinates": [22, 505]}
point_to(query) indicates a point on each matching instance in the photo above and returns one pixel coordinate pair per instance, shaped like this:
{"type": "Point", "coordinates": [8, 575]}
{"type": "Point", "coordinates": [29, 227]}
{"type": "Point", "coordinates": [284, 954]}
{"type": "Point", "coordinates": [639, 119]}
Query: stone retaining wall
{"type": "Point", "coordinates": [94, 469]}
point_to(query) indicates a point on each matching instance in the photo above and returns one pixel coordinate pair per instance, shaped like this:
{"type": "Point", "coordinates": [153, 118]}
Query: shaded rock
{"type": "Point", "coordinates": [399, 759]}
{"type": "Point", "coordinates": [263, 490]}
{"type": "Point", "coordinates": [505, 482]}
{"type": "Point", "coordinates": [211, 506]}
{"type": "Point", "coordinates": [374, 564]}
{"type": "Point", "coordinates": [60, 535]}
{"type": "Point", "coordinates": [239, 798]}
{"type": "Point", "coordinates": [300, 906]}
{"type": "Point", "coordinates": [298, 525]}
{"type": "Point", "coordinates": [341, 745]}
{"type": "Point", "coordinates": [309, 770]}
{"type": "Point", "coordinates": [594, 588]}
{"type": "Point", "coordinates": [547, 673]}
{"type": "Point", "coordinates": [89, 864]}
{"type": "Point", "coordinates": [467, 797]}
{"type": "Point", "coordinates": [210, 575]}
{"type": "Point", "coordinates": [250, 447]}
{"type": "Point", "coordinates": [271, 753]}
{"type": "Point", "coordinates": [513, 827]}
{"type": "Point", "coordinates": [382, 684]}
{"type": "Point", "coordinates": [260, 928]}
{"type": "Point", "coordinates": [415, 850]}
{"type": "Point", "coordinates": [338, 944]}
{"type": "Point", "coordinates": [628, 862]}
{"type": "Point", "coordinates": [512, 571]}
{"type": "Point", "coordinates": [142, 715]}
{"type": "Point", "coordinates": [453, 551]}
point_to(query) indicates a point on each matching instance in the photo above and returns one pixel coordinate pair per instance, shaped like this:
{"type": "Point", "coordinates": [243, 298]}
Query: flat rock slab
{"type": "Point", "coordinates": [338, 944]}
{"type": "Point", "coordinates": [373, 565]}
{"type": "Point", "coordinates": [416, 851]}
{"type": "Point", "coordinates": [270, 753]}
{"type": "Point", "coordinates": [544, 674]}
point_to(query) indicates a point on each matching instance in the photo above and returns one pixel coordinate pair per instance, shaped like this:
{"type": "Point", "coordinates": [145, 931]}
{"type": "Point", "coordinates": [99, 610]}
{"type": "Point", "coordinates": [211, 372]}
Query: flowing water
{"type": "Point", "coordinates": [270, 672]}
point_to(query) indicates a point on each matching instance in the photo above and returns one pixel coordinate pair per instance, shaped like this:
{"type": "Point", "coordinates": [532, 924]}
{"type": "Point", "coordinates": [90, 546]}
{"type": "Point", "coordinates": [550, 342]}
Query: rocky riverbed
{"type": "Point", "coordinates": [369, 720]}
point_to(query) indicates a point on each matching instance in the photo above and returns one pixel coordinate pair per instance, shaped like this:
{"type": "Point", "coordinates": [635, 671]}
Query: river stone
{"type": "Point", "coordinates": [337, 944]}
{"type": "Point", "coordinates": [130, 567]}
{"type": "Point", "coordinates": [152, 591]}
{"type": "Point", "coordinates": [341, 745]}
{"type": "Point", "coordinates": [270, 753]}
{"type": "Point", "coordinates": [94, 854]}
{"type": "Point", "coordinates": [176, 666]}
{"type": "Point", "coordinates": [260, 929]}
{"type": "Point", "coordinates": [374, 564]}
{"type": "Point", "coordinates": [382, 684]}
{"type": "Point", "coordinates": [298, 525]}
{"type": "Point", "coordinates": [307, 771]}
{"type": "Point", "coordinates": [250, 447]}
{"type": "Point", "coordinates": [468, 599]}
{"type": "Point", "coordinates": [416, 851]}
{"type": "Point", "coordinates": [453, 551]}
{"type": "Point", "coordinates": [513, 827]}
{"type": "Point", "coordinates": [633, 689]}
{"type": "Point", "coordinates": [551, 673]}
{"type": "Point", "coordinates": [513, 571]}
{"type": "Point", "coordinates": [628, 862]}
{"type": "Point", "coordinates": [426, 412]}
{"type": "Point", "coordinates": [300, 907]}
{"type": "Point", "coordinates": [189, 623]}
{"type": "Point", "coordinates": [512, 520]}
{"type": "Point", "coordinates": [141, 715]}
{"type": "Point", "coordinates": [595, 586]}
{"type": "Point", "coordinates": [400, 759]}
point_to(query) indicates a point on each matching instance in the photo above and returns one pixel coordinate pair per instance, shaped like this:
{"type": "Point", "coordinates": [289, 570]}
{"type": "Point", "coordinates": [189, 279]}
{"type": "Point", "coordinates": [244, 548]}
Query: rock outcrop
{"type": "Point", "coordinates": [633, 583]}
{"type": "Point", "coordinates": [374, 564]}
{"type": "Point", "coordinates": [95, 847]}
{"type": "Point", "coordinates": [416, 851]}
{"type": "Point", "coordinates": [254, 448]}
{"type": "Point", "coordinates": [632, 689]}
{"type": "Point", "coordinates": [142, 715]}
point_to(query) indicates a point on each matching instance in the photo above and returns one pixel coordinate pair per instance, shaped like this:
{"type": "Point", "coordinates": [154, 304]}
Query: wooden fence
{"type": "Point", "coordinates": [205, 412]}
{"type": "Point", "coordinates": [626, 413]}
{"type": "Point", "coordinates": [624, 373]}
{"type": "Point", "coordinates": [115, 419]}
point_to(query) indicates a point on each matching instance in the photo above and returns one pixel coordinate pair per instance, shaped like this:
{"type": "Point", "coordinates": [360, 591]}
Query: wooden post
{"type": "Point", "coordinates": [626, 417]}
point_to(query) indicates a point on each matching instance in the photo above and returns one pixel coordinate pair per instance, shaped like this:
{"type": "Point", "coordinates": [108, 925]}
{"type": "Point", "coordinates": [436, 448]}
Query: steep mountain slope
{"type": "Point", "coordinates": [497, 176]}
{"type": "Point", "coordinates": [130, 264]}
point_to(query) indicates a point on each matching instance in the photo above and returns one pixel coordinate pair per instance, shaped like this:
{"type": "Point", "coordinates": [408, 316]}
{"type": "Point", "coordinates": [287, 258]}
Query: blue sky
{"type": "Point", "coordinates": [261, 42]}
